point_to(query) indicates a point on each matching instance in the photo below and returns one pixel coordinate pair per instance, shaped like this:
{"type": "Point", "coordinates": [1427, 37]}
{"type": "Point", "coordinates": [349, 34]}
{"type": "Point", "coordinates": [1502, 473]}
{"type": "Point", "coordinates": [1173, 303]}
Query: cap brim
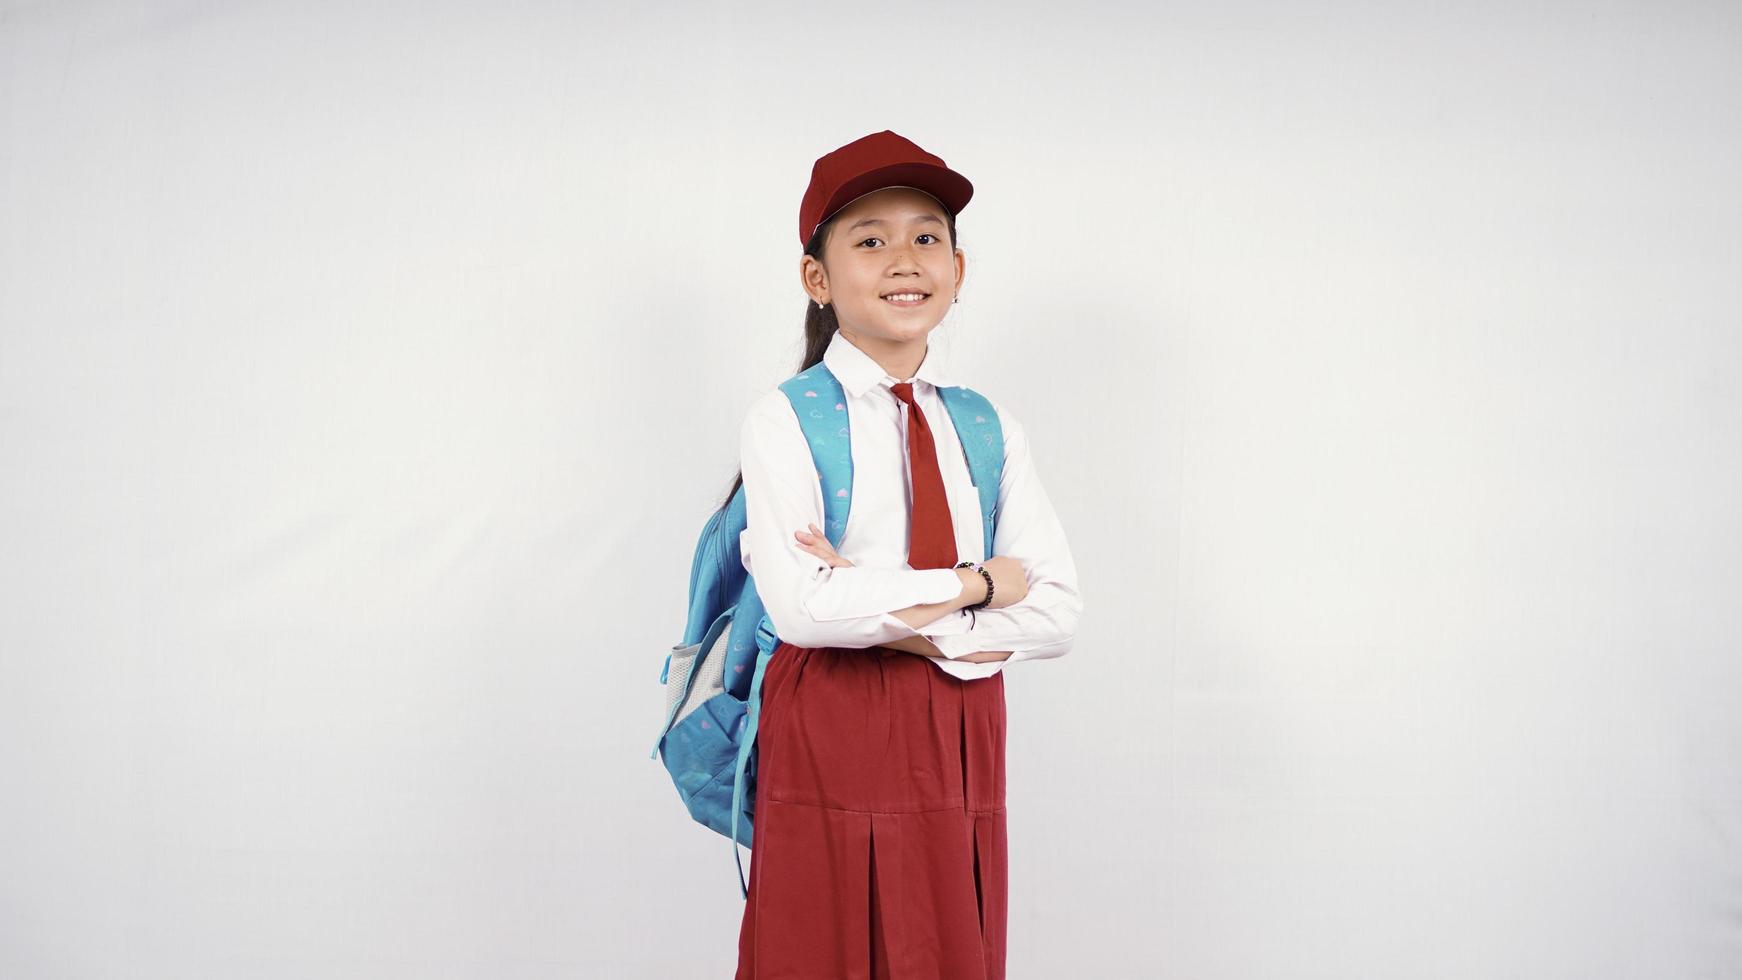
{"type": "Point", "coordinates": [951, 189]}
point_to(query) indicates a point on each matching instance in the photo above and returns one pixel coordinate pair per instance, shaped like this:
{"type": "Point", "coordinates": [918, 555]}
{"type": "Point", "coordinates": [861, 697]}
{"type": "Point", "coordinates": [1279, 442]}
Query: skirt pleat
{"type": "Point", "coordinates": [879, 845]}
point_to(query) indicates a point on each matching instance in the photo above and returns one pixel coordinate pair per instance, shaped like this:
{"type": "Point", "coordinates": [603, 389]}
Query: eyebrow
{"type": "Point", "coordinates": [878, 221]}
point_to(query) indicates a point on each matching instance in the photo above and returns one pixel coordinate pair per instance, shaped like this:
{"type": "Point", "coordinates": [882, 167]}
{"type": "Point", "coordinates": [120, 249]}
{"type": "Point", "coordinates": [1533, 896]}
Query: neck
{"type": "Point", "coordinates": [898, 358]}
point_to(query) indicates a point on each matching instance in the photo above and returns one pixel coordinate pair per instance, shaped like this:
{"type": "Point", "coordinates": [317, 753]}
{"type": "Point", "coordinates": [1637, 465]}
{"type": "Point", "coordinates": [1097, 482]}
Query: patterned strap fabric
{"type": "Point", "coordinates": [982, 439]}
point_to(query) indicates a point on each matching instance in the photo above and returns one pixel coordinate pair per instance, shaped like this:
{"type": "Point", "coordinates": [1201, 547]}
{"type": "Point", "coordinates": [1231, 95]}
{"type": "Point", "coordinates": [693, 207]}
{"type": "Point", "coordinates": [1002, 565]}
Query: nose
{"type": "Point", "coordinates": [901, 257]}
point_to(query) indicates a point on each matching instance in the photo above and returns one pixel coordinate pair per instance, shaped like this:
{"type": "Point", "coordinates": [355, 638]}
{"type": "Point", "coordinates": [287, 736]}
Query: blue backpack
{"type": "Point", "coordinates": [713, 679]}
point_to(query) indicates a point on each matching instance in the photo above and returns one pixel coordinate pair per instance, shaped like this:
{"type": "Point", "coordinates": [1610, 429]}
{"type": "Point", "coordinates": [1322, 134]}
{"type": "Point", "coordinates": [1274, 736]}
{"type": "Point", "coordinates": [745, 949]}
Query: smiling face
{"type": "Point", "coordinates": [892, 242]}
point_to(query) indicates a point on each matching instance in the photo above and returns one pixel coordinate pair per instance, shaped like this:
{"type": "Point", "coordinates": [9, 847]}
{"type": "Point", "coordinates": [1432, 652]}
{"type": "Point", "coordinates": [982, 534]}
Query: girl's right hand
{"type": "Point", "coordinates": [1009, 581]}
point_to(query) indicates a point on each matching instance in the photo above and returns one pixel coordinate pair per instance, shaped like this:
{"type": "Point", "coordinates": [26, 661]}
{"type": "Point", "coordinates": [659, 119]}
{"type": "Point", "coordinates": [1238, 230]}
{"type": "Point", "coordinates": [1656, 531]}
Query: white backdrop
{"type": "Point", "coordinates": [367, 372]}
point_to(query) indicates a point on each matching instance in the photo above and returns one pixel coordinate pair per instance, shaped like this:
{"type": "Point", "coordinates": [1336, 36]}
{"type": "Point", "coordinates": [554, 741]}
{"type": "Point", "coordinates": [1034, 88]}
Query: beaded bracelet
{"type": "Point", "coordinates": [969, 610]}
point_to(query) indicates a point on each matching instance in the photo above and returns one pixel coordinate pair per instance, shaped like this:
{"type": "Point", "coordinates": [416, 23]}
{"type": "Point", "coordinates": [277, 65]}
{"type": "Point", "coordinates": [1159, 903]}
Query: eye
{"type": "Point", "coordinates": [871, 240]}
{"type": "Point", "coordinates": [929, 235]}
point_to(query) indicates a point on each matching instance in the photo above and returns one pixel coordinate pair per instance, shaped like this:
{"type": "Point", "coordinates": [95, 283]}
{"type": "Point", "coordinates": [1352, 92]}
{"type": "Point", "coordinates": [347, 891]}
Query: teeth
{"type": "Point", "coordinates": [906, 297]}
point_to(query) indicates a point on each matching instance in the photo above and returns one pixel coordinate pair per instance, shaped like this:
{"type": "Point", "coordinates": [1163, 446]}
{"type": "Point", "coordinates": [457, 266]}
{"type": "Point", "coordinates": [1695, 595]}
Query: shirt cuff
{"type": "Point", "coordinates": [954, 643]}
{"type": "Point", "coordinates": [969, 671]}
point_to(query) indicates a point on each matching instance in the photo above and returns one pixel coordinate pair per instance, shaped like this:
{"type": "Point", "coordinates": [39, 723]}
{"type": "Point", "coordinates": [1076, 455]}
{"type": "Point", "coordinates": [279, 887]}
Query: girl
{"type": "Point", "coordinates": [879, 826]}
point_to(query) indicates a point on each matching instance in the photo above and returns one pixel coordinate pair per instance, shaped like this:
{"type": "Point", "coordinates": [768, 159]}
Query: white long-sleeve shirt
{"type": "Point", "coordinates": [813, 605]}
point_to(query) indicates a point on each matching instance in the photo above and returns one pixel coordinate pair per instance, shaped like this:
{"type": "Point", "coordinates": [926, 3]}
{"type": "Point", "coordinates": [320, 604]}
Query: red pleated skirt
{"type": "Point", "coordinates": [879, 847]}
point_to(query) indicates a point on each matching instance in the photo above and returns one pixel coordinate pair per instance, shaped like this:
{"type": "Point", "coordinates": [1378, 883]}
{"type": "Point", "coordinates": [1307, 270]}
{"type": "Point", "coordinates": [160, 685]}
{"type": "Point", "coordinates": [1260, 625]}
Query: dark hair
{"type": "Point", "coordinates": [819, 322]}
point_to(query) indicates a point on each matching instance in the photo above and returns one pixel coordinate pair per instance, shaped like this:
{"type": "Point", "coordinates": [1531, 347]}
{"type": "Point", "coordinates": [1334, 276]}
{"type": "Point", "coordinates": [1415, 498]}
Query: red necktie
{"type": "Point", "coordinates": [931, 541]}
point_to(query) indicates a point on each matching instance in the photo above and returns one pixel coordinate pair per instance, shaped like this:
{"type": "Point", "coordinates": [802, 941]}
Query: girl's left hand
{"type": "Point", "coordinates": [817, 544]}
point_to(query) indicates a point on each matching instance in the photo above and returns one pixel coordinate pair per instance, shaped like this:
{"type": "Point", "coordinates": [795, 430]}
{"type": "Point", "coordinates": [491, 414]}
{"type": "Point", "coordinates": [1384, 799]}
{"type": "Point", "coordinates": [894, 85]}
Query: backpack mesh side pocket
{"type": "Point", "coordinates": [709, 680]}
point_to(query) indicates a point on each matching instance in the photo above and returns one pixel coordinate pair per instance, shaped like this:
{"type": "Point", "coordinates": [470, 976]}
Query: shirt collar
{"type": "Point", "coordinates": [859, 373]}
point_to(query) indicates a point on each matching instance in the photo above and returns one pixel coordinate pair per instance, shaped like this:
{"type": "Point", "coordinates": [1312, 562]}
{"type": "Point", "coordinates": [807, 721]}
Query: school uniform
{"type": "Point", "coordinates": [879, 827]}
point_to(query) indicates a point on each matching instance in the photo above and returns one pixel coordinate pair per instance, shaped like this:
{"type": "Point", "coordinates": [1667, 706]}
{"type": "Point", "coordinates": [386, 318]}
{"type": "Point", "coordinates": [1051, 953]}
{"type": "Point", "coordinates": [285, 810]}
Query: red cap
{"type": "Point", "coordinates": [872, 163]}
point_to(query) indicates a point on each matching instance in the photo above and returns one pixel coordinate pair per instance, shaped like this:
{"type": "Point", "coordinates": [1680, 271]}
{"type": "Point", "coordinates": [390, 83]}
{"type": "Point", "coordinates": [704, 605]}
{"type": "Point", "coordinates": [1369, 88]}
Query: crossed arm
{"type": "Point", "coordinates": [914, 616]}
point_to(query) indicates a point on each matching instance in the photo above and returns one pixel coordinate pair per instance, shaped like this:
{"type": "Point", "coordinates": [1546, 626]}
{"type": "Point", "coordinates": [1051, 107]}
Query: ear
{"type": "Point", "coordinates": [814, 278]}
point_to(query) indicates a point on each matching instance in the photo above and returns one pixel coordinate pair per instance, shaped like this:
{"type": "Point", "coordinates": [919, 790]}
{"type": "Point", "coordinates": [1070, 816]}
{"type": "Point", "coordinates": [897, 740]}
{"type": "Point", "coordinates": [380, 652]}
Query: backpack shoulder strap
{"type": "Point", "coordinates": [821, 405]}
{"type": "Point", "coordinates": [982, 439]}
